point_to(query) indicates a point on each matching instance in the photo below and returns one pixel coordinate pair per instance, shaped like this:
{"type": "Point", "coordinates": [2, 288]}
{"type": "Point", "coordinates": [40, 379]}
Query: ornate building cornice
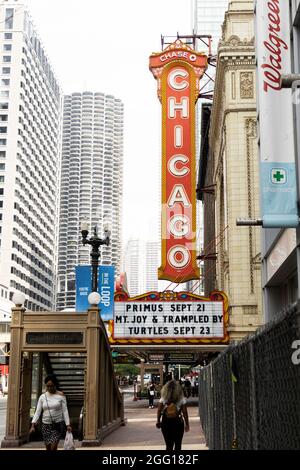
{"type": "Point", "coordinates": [235, 42]}
{"type": "Point", "coordinates": [233, 54]}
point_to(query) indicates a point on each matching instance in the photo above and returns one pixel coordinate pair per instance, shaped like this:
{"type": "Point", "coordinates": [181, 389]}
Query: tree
{"type": "Point", "coordinates": [126, 369]}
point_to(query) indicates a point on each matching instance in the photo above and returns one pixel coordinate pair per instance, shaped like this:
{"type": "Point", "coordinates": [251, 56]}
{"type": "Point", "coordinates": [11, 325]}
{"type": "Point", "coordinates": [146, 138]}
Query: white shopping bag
{"type": "Point", "coordinates": [69, 443]}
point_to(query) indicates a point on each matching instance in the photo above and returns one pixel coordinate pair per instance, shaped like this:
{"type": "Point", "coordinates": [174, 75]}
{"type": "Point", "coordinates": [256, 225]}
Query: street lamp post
{"type": "Point", "coordinates": [95, 243]}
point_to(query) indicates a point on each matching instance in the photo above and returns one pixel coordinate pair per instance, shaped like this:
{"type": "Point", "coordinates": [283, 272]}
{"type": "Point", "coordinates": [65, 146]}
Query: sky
{"type": "Point", "coordinates": [104, 46]}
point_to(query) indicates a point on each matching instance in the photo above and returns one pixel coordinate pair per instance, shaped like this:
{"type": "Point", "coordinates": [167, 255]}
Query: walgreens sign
{"type": "Point", "coordinates": [178, 70]}
{"type": "Point", "coordinates": [275, 46]}
{"type": "Point", "coordinates": [277, 154]}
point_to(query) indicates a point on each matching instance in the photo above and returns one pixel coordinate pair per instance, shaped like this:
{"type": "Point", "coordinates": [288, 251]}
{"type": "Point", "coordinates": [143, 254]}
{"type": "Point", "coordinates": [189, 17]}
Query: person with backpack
{"type": "Point", "coordinates": [172, 414]}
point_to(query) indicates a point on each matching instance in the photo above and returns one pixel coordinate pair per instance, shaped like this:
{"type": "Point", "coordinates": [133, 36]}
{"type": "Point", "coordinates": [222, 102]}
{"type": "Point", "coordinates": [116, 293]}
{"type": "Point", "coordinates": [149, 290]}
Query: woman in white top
{"type": "Point", "coordinates": [172, 406]}
{"type": "Point", "coordinates": [53, 405]}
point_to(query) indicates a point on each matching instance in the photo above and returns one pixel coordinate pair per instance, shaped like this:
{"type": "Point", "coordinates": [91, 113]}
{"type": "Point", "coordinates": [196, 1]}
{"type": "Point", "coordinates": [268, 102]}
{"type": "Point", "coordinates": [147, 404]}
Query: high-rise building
{"type": "Point", "coordinates": [133, 267]}
{"type": "Point", "coordinates": [151, 264]}
{"type": "Point", "coordinates": [30, 118]}
{"type": "Point", "coordinates": [91, 184]}
{"type": "Point", "coordinates": [208, 18]}
{"type": "Point", "coordinates": [140, 264]}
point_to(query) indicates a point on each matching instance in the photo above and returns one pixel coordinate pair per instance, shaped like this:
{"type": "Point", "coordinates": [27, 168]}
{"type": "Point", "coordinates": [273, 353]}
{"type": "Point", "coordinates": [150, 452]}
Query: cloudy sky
{"type": "Point", "coordinates": [102, 45]}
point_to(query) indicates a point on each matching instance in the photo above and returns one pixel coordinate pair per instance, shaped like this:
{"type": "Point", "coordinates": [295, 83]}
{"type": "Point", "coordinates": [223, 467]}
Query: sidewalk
{"type": "Point", "coordinates": [140, 432]}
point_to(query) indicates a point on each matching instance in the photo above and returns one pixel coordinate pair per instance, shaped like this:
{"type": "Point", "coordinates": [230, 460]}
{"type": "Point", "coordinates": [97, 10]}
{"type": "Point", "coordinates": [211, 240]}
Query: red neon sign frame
{"type": "Point", "coordinates": [178, 70]}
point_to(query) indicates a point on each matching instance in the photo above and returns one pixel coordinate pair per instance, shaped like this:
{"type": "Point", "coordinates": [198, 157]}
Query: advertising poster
{"type": "Point", "coordinates": [106, 280]}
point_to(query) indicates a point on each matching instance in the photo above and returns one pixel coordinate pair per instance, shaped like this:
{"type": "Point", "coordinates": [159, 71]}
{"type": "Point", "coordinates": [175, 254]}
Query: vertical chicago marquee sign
{"type": "Point", "coordinates": [178, 70]}
{"type": "Point", "coordinates": [174, 318]}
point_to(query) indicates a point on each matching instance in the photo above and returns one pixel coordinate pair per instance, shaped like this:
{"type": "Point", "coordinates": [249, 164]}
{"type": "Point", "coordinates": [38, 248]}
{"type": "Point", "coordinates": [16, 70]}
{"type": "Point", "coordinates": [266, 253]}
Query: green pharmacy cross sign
{"type": "Point", "coordinates": [278, 176]}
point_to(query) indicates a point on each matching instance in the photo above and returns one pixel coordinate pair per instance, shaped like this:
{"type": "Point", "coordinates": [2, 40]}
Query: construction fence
{"type": "Point", "coordinates": [249, 397]}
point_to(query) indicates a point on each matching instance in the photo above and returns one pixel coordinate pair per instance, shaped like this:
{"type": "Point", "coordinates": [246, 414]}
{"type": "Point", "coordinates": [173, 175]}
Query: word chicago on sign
{"type": "Point", "coordinates": [170, 320]}
{"type": "Point", "coordinates": [178, 70]}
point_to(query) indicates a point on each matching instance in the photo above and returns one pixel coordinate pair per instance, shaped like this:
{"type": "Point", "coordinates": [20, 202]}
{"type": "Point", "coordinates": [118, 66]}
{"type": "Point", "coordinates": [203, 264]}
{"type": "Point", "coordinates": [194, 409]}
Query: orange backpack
{"type": "Point", "coordinates": [171, 410]}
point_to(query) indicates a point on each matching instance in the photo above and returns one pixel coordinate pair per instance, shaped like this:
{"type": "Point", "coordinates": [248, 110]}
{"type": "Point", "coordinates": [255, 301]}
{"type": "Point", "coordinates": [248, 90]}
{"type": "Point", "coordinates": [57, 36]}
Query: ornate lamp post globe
{"type": "Point", "coordinates": [18, 299]}
{"type": "Point", "coordinates": [95, 243]}
{"type": "Point", "coordinates": [94, 298]}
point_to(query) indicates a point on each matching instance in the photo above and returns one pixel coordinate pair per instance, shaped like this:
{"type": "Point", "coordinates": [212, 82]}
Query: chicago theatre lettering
{"type": "Point", "coordinates": [178, 70]}
{"type": "Point", "coordinates": [174, 318]}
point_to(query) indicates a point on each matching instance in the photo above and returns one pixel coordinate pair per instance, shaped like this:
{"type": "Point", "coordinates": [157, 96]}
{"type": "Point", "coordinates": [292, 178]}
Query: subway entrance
{"type": "Point", "coordinates": [74, 347]}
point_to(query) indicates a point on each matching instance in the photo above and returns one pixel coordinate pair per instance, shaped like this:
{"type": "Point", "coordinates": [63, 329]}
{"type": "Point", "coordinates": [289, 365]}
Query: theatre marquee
{"type": "Point", "coordinates": [170, 317]}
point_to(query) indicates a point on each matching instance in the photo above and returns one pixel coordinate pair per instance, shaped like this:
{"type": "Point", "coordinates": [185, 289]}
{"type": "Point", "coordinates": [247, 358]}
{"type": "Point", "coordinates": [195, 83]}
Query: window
{"type": "Point", "coordinates": [3, 117]}
{"type": "Point", "coordinates": [3, 130]}
{"type": "Point", "coordinates": [2, 141]}
{"type": "Point", "coordinates": [6, 70]}
{"type": "Point", "coordinates": [1, 191]}
{"type": "Point", "coordinates": [4, 94]}
{"type": "Point", "coordinates": [3, 105]}
{"type": "Point", "coordinates": [1, 205]}
{"type": "Point", "coordinates": [2, 179]}
{"type": "Point", "coordinates": [7, 47]}
{"type": "Point", "coordinates": [6, 58]}
{"type": "Point", "coordinates": [8, 36]}
{"type": "Point", "coordinates": [9, 18]}
{"type": "Point", "coordinates": [5, 81]}
{"type": "Point", "coordinates": [2, 154]}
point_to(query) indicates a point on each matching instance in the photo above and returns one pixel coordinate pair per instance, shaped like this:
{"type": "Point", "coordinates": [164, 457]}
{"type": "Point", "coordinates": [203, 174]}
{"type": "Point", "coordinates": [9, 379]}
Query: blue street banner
{"type": "Point", "coordinates": [106, 282]}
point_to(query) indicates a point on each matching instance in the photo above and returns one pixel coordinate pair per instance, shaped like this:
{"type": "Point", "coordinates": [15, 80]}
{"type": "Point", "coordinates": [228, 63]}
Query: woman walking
{"type": "Point", "coordinates": [171, 411]}
{"type": "Point", "coordinates": [151, 395]}
{"type": "Point", "coordinates": [53, 405]}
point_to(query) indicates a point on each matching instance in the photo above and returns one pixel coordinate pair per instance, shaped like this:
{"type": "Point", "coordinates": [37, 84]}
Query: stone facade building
{"type": "Point", "coordinates": [232, 168]}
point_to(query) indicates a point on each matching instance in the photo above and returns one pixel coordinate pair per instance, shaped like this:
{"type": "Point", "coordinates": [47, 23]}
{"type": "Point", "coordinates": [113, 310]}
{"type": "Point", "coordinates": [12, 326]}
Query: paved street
{"type": "Point", "coordinates": [3, 403]}
{"type": "Point", "coordinates": [139, 433]}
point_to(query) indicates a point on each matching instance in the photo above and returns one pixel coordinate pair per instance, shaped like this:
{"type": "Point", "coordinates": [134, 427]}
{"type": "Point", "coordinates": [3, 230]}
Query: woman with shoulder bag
{"type": "Point", "coordinates": [151, 395]}
{"type": "Point", "coordinates": [172, 406]}
{"type": "Point", "coordinates": [53, 405]}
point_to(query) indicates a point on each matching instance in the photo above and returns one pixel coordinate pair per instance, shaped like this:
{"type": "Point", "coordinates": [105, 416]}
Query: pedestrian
{"type": "Point", "coordinates": [53, 405]}
{"type": "Point", "coordinates": [187, 387]}
{"type": "Point", "coordinates": [151, 395]}
{"type": "Point", "coordinates": [194, 387]}
{"type": "Point", "coordinates": [171, 411]}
